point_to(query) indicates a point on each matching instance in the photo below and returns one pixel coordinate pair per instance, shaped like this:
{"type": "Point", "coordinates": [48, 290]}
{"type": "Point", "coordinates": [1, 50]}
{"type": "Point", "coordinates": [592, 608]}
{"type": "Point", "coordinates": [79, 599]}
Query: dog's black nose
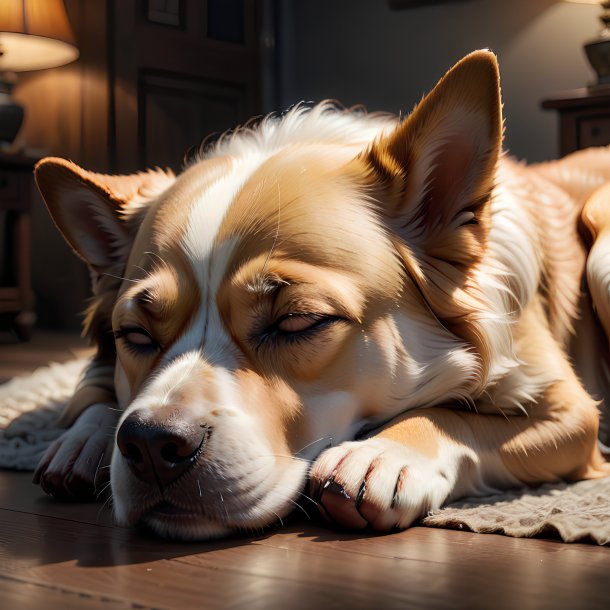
{"type": "Point", "coordinates": [160, 445]}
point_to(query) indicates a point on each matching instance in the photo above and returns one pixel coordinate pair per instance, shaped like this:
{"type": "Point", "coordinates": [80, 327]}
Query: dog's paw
{"type": "Point", "coordinates": [76, 465]}
{"type": "Point", "coordinates": [377, 483]}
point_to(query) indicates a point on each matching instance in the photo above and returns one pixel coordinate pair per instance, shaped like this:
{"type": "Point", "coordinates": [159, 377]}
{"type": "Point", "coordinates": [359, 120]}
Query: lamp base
{"type": "Point", "coordinates": [11, 115]}
{"type": "Point", "coordinates": [598, 54]}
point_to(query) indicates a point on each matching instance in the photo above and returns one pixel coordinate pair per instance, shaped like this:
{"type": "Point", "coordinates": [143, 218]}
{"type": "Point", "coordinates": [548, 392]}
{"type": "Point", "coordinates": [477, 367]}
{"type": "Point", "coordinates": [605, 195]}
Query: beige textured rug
{"type": "Point", "coordinates": [579, 511]}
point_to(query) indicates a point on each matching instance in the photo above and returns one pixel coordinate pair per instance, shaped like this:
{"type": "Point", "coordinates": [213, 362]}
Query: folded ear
{"type": "Point", "coordinates": [92, 211]}
{"type": "Point", "coordinates": [436, 169]}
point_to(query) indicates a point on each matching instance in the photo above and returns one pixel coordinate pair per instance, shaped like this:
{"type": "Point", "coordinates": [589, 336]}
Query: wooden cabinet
{"type": "Point", "coordinates": [584, 118]}
{"type": "Point", "coordinates": [16, 299]}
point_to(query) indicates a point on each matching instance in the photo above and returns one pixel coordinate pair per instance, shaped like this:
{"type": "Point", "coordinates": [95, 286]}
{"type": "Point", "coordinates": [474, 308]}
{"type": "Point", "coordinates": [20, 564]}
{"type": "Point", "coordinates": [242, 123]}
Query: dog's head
{"type": "Point", "coordinates": [305, 277]}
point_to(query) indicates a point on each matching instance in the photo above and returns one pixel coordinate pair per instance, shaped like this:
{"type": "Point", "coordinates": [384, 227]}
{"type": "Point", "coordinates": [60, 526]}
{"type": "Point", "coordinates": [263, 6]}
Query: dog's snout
{"type": "Point", "coordinates": [160, 445]}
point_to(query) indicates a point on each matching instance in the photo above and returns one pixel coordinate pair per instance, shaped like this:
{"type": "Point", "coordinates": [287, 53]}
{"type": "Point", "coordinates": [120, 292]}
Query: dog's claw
{"type": "Point", "coordinates": [339, 507]}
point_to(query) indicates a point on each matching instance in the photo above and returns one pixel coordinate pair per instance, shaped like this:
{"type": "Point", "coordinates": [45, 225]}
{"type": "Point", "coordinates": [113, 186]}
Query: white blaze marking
{"type": "Point", "coordinates": [209, 262]}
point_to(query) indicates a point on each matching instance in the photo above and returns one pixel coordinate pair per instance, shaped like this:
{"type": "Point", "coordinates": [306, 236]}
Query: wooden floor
{"type": "Point", "coordinates": [18, 358]}
{"type": "Point", "coordinates": [55, 555]}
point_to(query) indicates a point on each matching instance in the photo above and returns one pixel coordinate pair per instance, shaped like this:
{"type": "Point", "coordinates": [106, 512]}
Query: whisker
{"type": "Point", "coordinates": [308, 498]}
{"type": "Point", "coordinates": [102, 490]}
{"type": "Point", "coordinates": [123, 279]}
{"type": "Point", "coordinates": [330, 438]}
{"type": "Point", "coordinates": [97, 469]}
{"type": "Point", "coordinates": [287, 457]}
{"type": "Point", "coordinates": [146, 273]}
{"type": "Point", "coordinates": [299, 507]}
{"type": "Point", "coordinates": [157, 255]}
{"type": "Point", "coordinates": [107, 505]}
{"type": "Point", "coordinates": [279, 518]}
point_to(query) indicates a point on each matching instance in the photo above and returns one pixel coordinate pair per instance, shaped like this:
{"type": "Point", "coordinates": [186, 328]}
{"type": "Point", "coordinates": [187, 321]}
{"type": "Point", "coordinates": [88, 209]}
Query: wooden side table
{"type": "Point", "coordinates": [16, 296]}
{"type": "Point", "coordinates": [584, 118]}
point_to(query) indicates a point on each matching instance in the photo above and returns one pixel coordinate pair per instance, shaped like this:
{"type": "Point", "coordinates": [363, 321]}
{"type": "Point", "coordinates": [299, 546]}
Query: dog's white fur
{"type": "Point", "coordinates": [418, 326]}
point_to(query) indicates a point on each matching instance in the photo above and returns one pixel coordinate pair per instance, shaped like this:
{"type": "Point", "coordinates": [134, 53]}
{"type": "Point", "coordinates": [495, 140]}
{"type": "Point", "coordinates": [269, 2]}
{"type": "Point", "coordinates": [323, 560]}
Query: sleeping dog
{"type": "Point", "coordinates": [391, 312]}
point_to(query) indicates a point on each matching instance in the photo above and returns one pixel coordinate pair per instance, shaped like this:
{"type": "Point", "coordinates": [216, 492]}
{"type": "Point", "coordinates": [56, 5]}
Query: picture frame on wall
{"type": "Point", "coordinates": [165, 12]}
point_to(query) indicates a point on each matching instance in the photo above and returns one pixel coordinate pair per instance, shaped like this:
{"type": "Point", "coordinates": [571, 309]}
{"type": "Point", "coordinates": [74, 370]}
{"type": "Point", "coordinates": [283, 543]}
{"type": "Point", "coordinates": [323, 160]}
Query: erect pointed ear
{"type": "Point", "coordinates": [92, 211]}
{"type": "Point", "coordinates": [436, 169]}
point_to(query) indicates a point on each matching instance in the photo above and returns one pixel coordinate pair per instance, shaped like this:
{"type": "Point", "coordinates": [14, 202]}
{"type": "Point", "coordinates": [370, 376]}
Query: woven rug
{"type": "Point", "coordinates": [580, 511]}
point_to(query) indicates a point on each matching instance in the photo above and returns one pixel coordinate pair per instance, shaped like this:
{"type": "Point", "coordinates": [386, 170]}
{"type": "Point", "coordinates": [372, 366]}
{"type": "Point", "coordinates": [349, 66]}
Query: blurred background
{"type": "Point", "coordinates": [154, 77]}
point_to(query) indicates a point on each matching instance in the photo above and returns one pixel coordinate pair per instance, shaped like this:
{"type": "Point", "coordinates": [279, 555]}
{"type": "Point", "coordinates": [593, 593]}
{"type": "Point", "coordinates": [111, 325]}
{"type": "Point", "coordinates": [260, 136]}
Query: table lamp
{"type": "Point", "coordinates": [598, 50]}
{"type": "Point", "coordinates": [34, 35]}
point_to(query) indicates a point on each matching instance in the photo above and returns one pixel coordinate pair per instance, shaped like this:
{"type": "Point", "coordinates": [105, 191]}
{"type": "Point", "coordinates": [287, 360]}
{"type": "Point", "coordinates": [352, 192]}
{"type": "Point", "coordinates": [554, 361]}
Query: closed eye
{"type": "Point", "coordinates": [301, 322]}
{"type": "Point", "coordinates": [136, 339]}
{"type": "Point", "coordinates": [295, 327]}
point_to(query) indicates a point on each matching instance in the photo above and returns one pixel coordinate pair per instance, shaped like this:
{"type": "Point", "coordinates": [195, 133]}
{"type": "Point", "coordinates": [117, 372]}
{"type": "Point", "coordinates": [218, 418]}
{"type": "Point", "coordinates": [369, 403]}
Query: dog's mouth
{"type": "Point", "coordinates": [172, 521]}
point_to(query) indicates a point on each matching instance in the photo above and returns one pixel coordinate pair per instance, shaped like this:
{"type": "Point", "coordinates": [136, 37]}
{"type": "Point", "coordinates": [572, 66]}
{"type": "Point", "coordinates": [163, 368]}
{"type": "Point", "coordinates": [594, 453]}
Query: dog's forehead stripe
{"type": "Point", "coordinates": [206, 333]}
{"type": "Point", "coordinates": [208, 212]}
{"type": "Point", "coordinates": [208, 259]}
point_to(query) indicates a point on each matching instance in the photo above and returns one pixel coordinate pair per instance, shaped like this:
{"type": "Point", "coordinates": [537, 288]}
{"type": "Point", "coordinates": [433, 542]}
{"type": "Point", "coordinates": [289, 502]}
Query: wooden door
{"type": "Point", "coordinates": [180, 70]}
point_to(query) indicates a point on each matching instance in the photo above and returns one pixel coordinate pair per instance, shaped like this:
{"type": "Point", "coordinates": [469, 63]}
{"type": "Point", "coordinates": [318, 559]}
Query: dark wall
{"type": "Point", "coordinates": [360, 51]}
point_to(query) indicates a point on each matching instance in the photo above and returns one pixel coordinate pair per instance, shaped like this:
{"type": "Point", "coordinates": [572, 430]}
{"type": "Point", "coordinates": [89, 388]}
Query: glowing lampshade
{"type": "Point", "coordinates": [34, 34]}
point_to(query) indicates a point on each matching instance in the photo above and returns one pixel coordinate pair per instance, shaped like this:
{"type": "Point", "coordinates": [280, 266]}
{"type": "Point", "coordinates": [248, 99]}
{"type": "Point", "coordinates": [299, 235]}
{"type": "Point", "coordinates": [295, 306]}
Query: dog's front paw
{"type": "Point", "coordinates": [76, 465]}
{"type": "Point", "coordinates": [377, 483]}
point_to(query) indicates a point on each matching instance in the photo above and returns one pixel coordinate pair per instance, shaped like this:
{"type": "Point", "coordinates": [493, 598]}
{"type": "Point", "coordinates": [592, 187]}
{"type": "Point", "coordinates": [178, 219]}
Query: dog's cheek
{"type": "Point", "coordinates": [271, 403]}
{"type": "Point", "coordinates": [366, 367]}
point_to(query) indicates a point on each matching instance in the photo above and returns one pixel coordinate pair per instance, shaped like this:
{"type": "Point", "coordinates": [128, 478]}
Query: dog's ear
{"type": "Point", "coordinates": [436, 169]}
{"type": "Point", "coordinates": [92, 210]}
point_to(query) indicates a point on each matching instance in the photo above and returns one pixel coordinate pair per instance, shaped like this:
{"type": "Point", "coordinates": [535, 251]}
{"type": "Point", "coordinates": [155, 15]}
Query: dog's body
{"type": "Point", "coordinates": [328, 276]}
